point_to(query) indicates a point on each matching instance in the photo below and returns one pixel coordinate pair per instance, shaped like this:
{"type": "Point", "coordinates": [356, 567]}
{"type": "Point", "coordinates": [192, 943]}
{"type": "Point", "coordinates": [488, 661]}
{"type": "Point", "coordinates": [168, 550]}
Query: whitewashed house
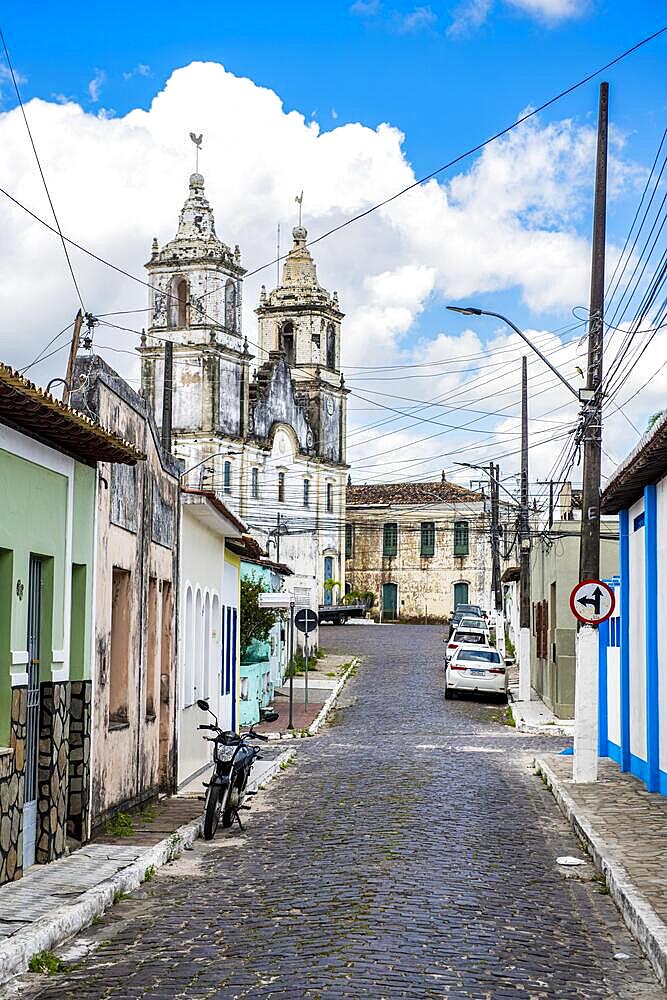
{"type": "Point", "coordinates": [208, 642]}
{"type": "Point", "coordinates": [633, 643]}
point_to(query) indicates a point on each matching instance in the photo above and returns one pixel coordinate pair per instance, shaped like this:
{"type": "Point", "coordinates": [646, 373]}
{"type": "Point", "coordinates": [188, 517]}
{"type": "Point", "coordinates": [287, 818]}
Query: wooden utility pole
{"type": "Point", "coordinates": [585, 763]}
{"type": "Point", "coordinates": [589, 551]}
{"type": "Point", "coordinates": [524, 542]}
{"type": "Point", "coordinates": [167, 396]}
{"type": "Point", "coordinates": [71, 361]}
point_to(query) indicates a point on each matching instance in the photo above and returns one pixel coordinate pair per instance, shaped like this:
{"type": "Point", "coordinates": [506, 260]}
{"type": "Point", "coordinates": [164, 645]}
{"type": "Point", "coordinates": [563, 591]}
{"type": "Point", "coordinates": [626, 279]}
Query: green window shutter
{"type": "Point", "coordinates": [390, 540]}
{"type": "Point", "coordinates": [461, 543]}
{"type": "Point", "coordinates": [428, 538]}
{"type": "Point", "coordinates": [349, 541]}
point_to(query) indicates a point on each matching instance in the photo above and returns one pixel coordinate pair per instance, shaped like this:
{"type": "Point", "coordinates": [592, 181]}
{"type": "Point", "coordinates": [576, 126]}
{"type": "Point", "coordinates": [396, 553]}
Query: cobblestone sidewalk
{"type": "Point", "coordinates": [627, 827]}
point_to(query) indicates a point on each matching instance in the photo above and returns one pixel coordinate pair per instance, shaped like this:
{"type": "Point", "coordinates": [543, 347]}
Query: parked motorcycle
{"type": "Point", "coordinates": [233, 757]}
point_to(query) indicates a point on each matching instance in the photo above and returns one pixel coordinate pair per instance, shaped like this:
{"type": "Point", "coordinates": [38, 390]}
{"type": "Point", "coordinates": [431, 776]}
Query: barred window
{"type": "Point", "coordinates": [390, 539]}
{"type": "Point", "coordinates": [461, 543]}
{"type": "Point", "coordinates": [427, 538]}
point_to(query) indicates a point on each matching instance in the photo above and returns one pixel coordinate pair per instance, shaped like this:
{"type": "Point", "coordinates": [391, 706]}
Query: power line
{"type": "Point", "coordinates": [41, 172]}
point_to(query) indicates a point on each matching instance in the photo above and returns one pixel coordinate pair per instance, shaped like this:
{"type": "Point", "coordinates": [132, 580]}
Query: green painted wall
{"type": "Point", "coordinates": [33, 520]}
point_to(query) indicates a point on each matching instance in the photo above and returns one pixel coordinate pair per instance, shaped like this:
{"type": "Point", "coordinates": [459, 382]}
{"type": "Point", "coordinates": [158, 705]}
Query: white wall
{"type": "Point", "coordinates": [661, 501]}
{"type": "Point", "coordinates": [637, 635]}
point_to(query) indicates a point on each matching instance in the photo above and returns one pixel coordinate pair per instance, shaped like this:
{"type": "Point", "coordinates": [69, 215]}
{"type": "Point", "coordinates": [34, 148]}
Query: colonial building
{"type": "Point", "coordinates": [134, 642]}
{"type": "Point", "coordinates": [48, 483]}
{"type": "Point", "coordinates": [271, 441]}
{"type": "Point", "coordinates": [419, 548]}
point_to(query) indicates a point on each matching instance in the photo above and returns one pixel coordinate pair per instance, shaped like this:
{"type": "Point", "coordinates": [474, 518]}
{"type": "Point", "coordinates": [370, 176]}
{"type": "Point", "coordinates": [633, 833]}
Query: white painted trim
{"type": "Point", "coordinates": [62, 674]}
{"type": "Point", "coordinates": [57, 655]}
{"type": "Point", "coordinates": [20, 656]}
{"type": "Point", "coordinates": [19, 679]}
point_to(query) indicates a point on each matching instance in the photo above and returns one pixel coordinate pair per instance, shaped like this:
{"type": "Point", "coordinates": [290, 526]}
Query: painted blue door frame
{"type": "Point", "coordinates": [328, 575]}
{"type": "Point", "coordinates": [616, 633]}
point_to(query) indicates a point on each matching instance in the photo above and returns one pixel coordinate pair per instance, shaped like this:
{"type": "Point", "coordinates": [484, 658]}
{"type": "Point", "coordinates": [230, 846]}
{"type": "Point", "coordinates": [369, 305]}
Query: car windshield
{"type": "Point", "coordinates": [470, 609]}
{"type": "Point", "coordinates": [479, 655]}
{"type": "Point", "coordinates": [475, 637]}
{"type": "Point", "coordinates": [470, 622]}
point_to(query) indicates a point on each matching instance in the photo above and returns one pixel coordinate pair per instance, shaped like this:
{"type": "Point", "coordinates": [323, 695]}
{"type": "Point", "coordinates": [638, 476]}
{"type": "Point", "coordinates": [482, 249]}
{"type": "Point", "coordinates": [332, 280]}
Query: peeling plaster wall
{"type": "Point", "coordinates": [273, 400]}
{"type": "Point", "coordinates": [425, 584]}
{"type": "Point", "coordinates": [128, 763]}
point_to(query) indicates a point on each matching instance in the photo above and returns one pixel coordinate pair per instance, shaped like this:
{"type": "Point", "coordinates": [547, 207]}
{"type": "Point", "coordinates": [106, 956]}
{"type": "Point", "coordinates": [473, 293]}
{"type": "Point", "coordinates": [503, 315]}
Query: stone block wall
{"type": "Point", "coordinates": [79, 759]}
{"type": "Point", "coordinates": [53, 771]}
{"type": "Point", "coordinates": [12, 774]}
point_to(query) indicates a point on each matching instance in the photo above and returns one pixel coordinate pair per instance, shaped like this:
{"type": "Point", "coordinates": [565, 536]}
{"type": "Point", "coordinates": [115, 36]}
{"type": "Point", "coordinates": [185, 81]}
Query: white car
{"type": "Point", "coordinates": [476, 668]}
{"type": "Point", "coordinates": [465, 636]}
{"type": "Point", "coordinates": [473, 623]}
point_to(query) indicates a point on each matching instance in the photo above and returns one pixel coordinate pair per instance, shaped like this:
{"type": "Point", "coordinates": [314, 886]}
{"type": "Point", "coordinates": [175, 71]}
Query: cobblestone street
{"type": "Point", "coordinates": [409, 852]}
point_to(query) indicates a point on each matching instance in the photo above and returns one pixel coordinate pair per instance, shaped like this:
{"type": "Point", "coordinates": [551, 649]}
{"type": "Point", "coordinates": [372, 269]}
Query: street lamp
{"type": "Point", "coordinates": [581, 394]}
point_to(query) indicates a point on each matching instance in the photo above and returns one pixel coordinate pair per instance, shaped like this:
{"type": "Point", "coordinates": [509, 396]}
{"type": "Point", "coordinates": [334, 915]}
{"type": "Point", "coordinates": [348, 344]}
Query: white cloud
{"type": "Point", "coordinates": [334, 114]}
{"type": "Point", "coordinates": [418, 19]}
{"type": "Point", "coordinates": [509, 220]}
{"type": "Point", "coordinates": [140, 70]}
{"type": "Point", "coordinates": [551, 10]}
{"type": "Point", "coordinates": [366, 8]}
{"type": "Point", "coordinates": [96, 84]}
{"type": "Point", "coordinates": [7, 91]}
{"type": "Point", "coordinates": [472, 14]}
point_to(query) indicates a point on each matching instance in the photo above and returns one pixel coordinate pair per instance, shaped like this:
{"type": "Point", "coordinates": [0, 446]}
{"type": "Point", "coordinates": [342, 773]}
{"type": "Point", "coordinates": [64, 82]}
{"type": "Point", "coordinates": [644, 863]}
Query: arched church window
{"type": "Point", "coordinates": [286, 341]}
{"type": "Point", "coordinates": [230, 306]}
{"type": "Point", "coordinates": [180, 303]}
{"type": "Point", "coordinates": [331, 347]}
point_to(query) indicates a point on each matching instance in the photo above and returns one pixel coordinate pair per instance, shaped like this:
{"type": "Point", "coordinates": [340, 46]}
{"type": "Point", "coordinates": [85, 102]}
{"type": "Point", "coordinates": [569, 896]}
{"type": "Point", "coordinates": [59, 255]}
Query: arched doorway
{"type": "Point", "coordinates": [389, 601]}
{"type": "Point", "coordinates": [460, 594]}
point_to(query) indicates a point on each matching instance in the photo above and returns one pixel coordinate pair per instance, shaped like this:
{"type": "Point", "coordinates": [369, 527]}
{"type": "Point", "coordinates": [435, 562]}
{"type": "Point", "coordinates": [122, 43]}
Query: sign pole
{"type": "Point", "coordinates": [585, 762]}
{"type": "Point", "coordinates": [305, 651]}
{"type": "Point", "coordinates": [591, 602]}
{"type": "Point", "coordinates": [290, 724]}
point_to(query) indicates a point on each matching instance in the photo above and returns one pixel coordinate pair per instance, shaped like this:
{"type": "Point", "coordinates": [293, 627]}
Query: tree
{"type": "Point", "coordinates": [256, 622]}
{"type": "Point", "coordinates": [652, 421]}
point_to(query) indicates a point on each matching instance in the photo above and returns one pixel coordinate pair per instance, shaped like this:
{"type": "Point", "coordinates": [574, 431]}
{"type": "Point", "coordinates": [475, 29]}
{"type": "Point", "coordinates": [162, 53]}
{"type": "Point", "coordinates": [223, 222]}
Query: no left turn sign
{"type": "Point", "coordinates": [592, 601]}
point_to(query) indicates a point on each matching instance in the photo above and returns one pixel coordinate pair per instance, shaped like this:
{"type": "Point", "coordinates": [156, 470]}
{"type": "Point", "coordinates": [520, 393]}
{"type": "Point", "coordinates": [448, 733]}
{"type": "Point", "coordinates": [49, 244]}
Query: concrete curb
{"type": "Point", "coordinates": [546, 730]}
{"type": "Point", "coordinates": [321, 717]}
{"type": "Point", "coordinates": [640, 917]}
{"type": "Point", "coordinates": [273, 769]}
{"type": "Point", "coordinates": [54, 928]}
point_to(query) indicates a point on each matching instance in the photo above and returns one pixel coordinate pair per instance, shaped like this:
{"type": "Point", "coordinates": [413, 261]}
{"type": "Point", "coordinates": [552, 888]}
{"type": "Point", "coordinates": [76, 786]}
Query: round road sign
{"type": "Point", "coordinates": [592, 601]}
{"type": "Point", "coordinates": [306, 620]}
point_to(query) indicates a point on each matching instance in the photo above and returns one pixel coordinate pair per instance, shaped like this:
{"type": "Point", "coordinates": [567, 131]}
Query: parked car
{"type": "Point", "coordinates": [464, 611]}
{"type": "Point", "coordinates": [468, 636]}
{"type": "Point", "coordinates": [476, 668]}
{"type": "Point", "coordinates": [474, 623]}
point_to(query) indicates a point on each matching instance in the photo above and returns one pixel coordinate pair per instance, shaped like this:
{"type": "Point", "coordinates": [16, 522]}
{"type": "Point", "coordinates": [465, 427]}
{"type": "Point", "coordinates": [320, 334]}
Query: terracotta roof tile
{"type": "Point", "coordinates": [366, 494]}
{"type": "Point", "coordinates": [28, 408]}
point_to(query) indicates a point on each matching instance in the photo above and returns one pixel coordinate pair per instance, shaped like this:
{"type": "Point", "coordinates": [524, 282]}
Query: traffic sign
{"type": "Point", "coordinates": [306, 620]}
{"type": "Point", "coordinates": [592, 601]}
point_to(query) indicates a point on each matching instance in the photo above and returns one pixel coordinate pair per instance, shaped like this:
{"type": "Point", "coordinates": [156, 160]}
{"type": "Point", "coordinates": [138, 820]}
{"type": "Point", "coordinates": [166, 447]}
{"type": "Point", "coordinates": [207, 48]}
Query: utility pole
{"type": "Point", "coordinates": [278, 538]}
{"type": "Point", "coordinates": [524, 542]}
{"type": "Point", "coordinates": [494, 476]}
{"type": "Point", "coordinates": [73, 351]}
{"type": "Point", "coordinates": [167, 395]}
{"type": "Point", "coordinates": [585, 766]}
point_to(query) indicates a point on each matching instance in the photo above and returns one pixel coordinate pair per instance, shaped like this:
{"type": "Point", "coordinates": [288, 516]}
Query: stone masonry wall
{"type": "Point", "coordinates": [53, 771]}
{"type": "Point", "coordinates": [12, 770]}
{"type": "Point", "coordinates": [79, 760]}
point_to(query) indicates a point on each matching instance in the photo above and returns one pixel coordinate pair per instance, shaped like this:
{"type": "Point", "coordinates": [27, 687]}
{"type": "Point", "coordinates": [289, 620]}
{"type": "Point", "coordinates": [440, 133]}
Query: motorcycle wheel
{"type": "Point", "coordinates": [213, 810]}
{"type": "Point", "coordinates": [230, 805]}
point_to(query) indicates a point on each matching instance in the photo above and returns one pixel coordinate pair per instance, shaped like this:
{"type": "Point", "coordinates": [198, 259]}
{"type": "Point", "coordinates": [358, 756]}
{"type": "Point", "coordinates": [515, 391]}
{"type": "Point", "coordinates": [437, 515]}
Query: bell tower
{"type": "Point", "coordinates": [195, 303]}
{"type": "Point", "coordinates": [302, 321]}
{"type": "Point", "coordinates": [300, 318]}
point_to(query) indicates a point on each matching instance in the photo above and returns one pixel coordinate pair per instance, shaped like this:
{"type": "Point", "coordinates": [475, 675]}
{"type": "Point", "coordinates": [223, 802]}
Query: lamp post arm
{"type": "Point", "coordinates": [533, 348]}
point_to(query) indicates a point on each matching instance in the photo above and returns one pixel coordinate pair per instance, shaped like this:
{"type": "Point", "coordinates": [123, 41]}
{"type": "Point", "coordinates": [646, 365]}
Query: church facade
{"type": "Point", "coordinates": [261, 423]}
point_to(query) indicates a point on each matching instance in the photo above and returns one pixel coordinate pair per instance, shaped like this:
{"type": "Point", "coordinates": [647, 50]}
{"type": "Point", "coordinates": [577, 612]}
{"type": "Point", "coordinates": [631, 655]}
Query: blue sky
{"type": "Point", "coordinates": [445, 74]}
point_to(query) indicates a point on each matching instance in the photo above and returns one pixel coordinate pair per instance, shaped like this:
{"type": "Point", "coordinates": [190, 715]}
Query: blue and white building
{"type": "Point", "coordinates": [633, 643]}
